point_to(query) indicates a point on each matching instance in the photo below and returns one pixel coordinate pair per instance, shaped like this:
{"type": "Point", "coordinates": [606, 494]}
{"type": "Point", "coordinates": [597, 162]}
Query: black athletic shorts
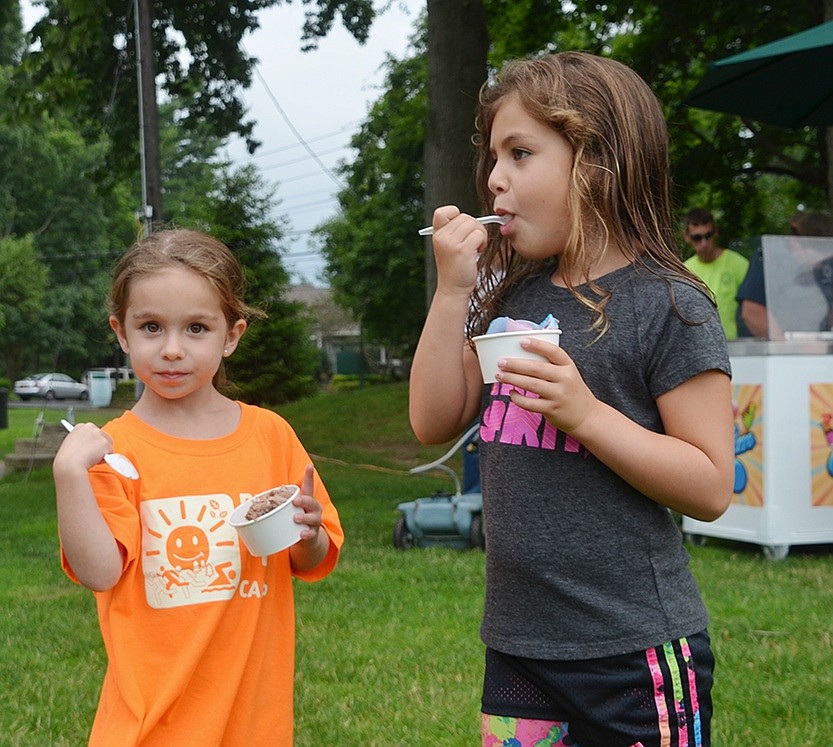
{"type": "Point", "coordinates": [660, 697]}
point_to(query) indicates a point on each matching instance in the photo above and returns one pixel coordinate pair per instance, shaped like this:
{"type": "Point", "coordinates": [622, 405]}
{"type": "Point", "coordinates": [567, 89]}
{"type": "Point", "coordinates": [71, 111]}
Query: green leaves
{"type": "Point", "coordinates": [375, 258]}
{"type": "Point", "coordinates": [81, 61]}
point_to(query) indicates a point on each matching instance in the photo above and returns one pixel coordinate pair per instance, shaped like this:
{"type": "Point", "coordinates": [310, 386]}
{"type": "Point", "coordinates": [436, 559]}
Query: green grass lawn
{"type": "Point", "coordinates": [388, 645]}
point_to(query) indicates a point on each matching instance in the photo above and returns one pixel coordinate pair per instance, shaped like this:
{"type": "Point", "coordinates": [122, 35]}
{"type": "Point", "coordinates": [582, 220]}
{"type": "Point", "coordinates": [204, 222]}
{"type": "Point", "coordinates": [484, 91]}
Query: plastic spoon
{"type": "Point", "coordinates": [502, 219]}
{"type": "Point", "coordinates": [118, 462]}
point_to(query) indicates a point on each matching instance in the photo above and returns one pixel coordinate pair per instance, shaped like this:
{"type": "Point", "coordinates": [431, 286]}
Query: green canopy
{"type": "Point", "coordinates": [786, 82]}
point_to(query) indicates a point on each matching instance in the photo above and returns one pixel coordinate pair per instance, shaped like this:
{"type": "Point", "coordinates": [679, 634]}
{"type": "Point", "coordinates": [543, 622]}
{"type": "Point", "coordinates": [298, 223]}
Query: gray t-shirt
{"type": "Point", "coordinates": [578, 563]}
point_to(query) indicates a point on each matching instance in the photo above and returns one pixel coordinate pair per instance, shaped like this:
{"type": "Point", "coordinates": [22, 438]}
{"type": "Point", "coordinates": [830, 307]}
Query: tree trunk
{"type": "Point", "coordinates": [458, 44]}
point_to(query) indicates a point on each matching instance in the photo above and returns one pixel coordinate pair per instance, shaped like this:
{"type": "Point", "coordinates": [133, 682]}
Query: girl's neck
{"type": "Point", "coordinates": [211, 415]}
{"type": "Point", "coordinates": [609, 261]}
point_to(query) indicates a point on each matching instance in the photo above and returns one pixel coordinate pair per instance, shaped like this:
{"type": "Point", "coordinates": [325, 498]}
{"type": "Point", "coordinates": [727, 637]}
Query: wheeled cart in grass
{"type": "Point", "coordinates": [446, 519]}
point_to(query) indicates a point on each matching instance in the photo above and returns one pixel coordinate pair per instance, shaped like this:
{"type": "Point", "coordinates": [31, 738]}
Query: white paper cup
{"type": "Point", "coordinates": [272, 532]}
{"type": "Point", "coordinates": [491, 348]}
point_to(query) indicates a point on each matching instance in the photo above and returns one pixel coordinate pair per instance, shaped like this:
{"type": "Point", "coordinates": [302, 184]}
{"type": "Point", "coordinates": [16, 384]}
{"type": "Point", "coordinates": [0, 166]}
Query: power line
{"type": "Point", "coordinates": [303, 195]}
{"type": "Point", "coordinates": [300, 177]}
{"type": "Point", "coordinates": [300, 159]}
{"type": "Point", "coordinates": [311, 206]}
{"type": "Point", "coordinates": [294, 130]}
{"type": "Point", "coordinates": [293, 146]}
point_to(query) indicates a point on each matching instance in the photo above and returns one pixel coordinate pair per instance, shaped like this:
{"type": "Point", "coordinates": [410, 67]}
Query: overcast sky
{"type": "Point", "coordinates": [318, 97]}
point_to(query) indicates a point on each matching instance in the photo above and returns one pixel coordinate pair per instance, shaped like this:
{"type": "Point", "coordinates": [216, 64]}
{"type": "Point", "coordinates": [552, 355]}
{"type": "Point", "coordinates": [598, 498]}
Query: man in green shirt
{"type": "Point", "coordinates": [722, 270]}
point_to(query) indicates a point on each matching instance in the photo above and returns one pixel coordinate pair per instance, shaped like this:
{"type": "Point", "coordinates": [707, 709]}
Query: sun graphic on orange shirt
{"type": "Point", "coordinates": [188, 541]}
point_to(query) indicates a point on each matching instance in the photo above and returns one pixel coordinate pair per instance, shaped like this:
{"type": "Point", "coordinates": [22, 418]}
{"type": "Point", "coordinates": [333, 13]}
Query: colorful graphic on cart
{"type": "Point", "coordinates": [748, 428]}
{"type": "Point", "coordinates": [190, 553]}
{"type": "Point", "coordinates": [821, 444]}
{"type": "Point", "coordinates": [827, 428]}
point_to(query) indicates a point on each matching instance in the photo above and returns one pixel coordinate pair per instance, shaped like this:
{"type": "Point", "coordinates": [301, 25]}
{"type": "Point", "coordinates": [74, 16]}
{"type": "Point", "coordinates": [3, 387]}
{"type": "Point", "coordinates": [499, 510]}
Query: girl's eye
{"type": "Point", "coordinates": [151, 327]}
{"type": "Point", "coordinates": [519, 154]}
{"type": "Point", "coordinates": [196, 328]}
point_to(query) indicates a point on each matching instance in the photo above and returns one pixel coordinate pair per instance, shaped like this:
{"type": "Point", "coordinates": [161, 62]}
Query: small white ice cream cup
{"type": "Point", "coordinates": [272, 532]}
{"type": "Point", "coordinates": [491, 348]}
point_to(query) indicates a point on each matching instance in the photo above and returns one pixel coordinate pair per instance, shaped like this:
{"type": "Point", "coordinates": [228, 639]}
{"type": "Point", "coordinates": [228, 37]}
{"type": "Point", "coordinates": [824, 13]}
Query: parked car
{"type": "Point", "coordinates": [50, 386]}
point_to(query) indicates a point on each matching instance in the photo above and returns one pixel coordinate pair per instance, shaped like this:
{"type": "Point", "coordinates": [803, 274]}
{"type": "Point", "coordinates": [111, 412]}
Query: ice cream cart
{"type": "Point", "coordinates": [783, 404]}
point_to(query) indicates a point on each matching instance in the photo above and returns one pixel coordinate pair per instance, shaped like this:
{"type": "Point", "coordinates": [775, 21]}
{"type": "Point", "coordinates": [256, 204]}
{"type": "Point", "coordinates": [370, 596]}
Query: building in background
{"type": "Point", "coordinates": [339, 336]}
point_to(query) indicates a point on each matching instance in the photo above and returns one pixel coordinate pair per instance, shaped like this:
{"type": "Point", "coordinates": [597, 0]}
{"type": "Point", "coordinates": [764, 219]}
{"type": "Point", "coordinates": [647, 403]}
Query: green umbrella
{"type": "Point", "coordinates": [786, 82]}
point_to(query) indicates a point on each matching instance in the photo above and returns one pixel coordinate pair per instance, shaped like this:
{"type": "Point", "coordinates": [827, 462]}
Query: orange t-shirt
{"type": "Point", "coordinates": [200, 635]}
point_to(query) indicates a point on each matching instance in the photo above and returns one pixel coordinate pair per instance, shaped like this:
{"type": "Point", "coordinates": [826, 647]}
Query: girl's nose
{"type": "Point", "coordinates": [497, 180]}
{"type": "Point", "coordinates": [172, 347]}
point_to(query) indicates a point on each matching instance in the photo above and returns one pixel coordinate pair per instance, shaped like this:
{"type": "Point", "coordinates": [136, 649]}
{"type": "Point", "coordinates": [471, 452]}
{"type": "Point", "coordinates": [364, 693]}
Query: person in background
{"type": "Point", "coordinates": [199, 633]}
{"type": "Point", "coordinates": [794, 222]}
{"type": "Point", "coordinates": [722, 270]}
{"type": "Point", "coordinates": [753, 318]}
{"type": "Point", "coordinates": [814, 223]}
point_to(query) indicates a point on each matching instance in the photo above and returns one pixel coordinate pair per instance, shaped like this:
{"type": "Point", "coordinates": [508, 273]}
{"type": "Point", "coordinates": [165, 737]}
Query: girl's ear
{"type": "Point", "coordinates": [233, 337]}
{"type": "Point", "coordinates": [115, 325]}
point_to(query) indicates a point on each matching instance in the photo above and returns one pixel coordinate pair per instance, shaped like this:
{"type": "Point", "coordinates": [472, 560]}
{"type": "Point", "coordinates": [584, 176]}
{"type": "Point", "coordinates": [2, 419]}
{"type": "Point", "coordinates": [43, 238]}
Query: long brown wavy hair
{"type": "Point", "coordinates": [620, 182]}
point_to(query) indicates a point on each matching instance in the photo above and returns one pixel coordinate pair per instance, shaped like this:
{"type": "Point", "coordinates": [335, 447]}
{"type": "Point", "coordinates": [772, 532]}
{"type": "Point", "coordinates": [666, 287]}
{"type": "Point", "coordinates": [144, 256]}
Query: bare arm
{"type": "Point", "coordinates": [689, 468]}
{"type": "Point", "coordinates": [86, 539]}
{"type": "Point", "coordinates": [760, 323]}
{"type": "Point", "coordinates": [445, 378]}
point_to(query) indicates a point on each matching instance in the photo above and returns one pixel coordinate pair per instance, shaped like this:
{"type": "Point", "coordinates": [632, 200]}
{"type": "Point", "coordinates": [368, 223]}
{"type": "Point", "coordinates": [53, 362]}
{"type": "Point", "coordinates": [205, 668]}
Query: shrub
{"type": "Point", "coordinates": [125, 392]}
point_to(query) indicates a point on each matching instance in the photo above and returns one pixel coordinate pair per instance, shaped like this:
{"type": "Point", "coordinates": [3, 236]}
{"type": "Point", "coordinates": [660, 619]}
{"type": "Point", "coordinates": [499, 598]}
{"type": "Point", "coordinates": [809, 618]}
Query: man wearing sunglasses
{"type": "Point", "coordinates": [722, 270]}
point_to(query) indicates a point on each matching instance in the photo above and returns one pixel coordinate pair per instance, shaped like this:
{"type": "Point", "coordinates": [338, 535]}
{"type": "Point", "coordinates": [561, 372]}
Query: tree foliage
{"type": "Point", "coordinates": [737, 168]}
{"type": "Point", "coordinates": [753, 176]}
{"type": "Point", "coordinates": [81, 63]}
{"type": "Point", "coordinates": [48, 194]}
{"type": "Point", "coordinates": [276, 359]}
{"type": "Point", "coordinates": [11, 36]}
{"type": "Point", "coordinates": [61, 233]}
{"type": "Point", "coordinates": [23, 283]}
{"type": "Point", "coordinates": [374, 259]}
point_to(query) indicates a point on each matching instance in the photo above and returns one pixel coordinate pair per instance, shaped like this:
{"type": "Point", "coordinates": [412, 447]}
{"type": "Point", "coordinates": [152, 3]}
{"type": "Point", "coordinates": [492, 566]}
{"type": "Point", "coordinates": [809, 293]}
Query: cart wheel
{"type": "Point", "coordinates": [698, 540]}
{"type": "Point", "coordinates": [775, 552]}
{"type": "Point", "coordinates": [478, 536]}
{"type": "Point", "coordinates": [402, 538]}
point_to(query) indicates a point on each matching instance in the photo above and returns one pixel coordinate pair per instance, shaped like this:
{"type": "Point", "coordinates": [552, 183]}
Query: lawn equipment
{"type": "Point", "coordinates": [447, 519]}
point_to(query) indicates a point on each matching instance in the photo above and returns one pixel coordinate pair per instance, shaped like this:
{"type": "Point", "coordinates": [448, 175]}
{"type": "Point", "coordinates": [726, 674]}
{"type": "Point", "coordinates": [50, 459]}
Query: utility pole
{"type": "Point", "coordinates": [151, 212]}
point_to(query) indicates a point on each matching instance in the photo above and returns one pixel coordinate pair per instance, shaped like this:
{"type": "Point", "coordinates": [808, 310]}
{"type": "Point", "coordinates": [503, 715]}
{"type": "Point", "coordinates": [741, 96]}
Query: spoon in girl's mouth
{"type": "Point", "coordinates": [118, 462]}
{"type": "Point", "coordinates": [502, 219]}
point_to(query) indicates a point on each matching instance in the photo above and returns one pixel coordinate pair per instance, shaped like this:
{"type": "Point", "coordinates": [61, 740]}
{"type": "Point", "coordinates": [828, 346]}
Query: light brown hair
{"type": "Point", "coordinates": [192, 250]}
{"type": "Point", "coordinates": [620, 183]}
